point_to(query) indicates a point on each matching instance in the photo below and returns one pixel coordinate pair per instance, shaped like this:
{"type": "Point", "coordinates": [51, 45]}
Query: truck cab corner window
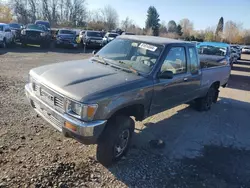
{"type": "Point", "coordinates": [194, 65]}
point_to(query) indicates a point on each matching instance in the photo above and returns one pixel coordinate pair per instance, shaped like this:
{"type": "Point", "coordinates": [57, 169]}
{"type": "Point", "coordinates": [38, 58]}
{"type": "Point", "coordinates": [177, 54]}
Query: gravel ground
{"type": "Point", "coordinates": [208, 149]}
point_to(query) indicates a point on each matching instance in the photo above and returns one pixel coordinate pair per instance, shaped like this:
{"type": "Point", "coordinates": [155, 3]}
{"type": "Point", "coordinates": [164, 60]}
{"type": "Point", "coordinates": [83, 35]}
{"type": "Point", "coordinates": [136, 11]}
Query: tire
{"type": "Point", "coordinates": [44, 45]}
{"type": "Point", "coordinates": [205, 103]}
{"type": "Point", "coordinates": [4, 45]}
{"type": "Point", "coordinates": [117, 134]}
{"type": "Point", "coordinates": [24, 44]}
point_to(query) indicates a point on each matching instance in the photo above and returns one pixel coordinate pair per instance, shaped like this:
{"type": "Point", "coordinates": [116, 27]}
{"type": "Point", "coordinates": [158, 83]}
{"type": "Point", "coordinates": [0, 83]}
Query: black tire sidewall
{"type": "Point", "coordinates": [105, 148]}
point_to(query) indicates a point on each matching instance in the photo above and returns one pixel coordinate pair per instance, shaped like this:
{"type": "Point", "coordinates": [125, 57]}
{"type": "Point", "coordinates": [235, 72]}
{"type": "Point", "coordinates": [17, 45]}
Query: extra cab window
{"type": "Point", "coordinates": [194, 66]}
{"type": "Point", "coordinates": [175, 61]}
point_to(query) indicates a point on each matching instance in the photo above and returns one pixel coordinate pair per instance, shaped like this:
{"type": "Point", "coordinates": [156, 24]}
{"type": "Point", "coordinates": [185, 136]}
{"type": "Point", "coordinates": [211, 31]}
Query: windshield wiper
{"type": "Point", "coordinates": [100, 59]}
{"type": "Point", "coordinates": [130, 68]}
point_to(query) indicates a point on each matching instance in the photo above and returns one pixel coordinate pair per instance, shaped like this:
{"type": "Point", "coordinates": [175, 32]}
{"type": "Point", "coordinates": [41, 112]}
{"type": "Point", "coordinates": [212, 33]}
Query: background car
{"type": "Point", "coordinates": [245, 50]}
{"type": "Point", "coordinates": [108, 37]}
{"type": "Point", "coordinates": [16, 29]}
{"type": "Point", "coordinates": [35, 34]}
{"type": "Point", "coordinates": [6, 36]}
{"type": "Point", "coordinates": [66, 37]}
{"type": "Point", "coordinates": [127, 33]}
{"type": "Point", "coordinates": [217, 51]}
{"type": "Point", "coordinates": [237, 48]}
{"type": "Point", "coordinates": [234, 56]}
{"type": "Point", "coordinates": [92, 39]}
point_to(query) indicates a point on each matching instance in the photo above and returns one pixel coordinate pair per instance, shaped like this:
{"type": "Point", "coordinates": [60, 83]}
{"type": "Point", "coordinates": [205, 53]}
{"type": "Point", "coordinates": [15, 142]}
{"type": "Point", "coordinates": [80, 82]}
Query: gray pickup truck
{"type": "Point", "coordinates": [93, 100]}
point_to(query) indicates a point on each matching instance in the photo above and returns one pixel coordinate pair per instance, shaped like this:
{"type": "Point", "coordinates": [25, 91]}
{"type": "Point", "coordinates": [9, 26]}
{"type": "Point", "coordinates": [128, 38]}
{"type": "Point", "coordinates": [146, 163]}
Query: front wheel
{"type": "Point", "coordinates": [115, 140]}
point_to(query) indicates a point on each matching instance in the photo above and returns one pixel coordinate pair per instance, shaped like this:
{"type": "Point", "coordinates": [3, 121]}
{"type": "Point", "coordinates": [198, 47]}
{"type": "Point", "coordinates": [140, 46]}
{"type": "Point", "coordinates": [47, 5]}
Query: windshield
{"type": "Point", "coordinates": [133, 54]}
{"type": "Point", "coordinates": [129, 34]}
{"type": "Point", "coordinates": [212, 50]}
{"type": "Point", "coordinates": [67, 32]}
{"type": "Point", "coordinates": [46, 24]}
{"type": "Point", "coordinates": [94, 34]}
{"type": "Point", "coordinates": [16, 26]}
{"type": "Point", "coordinates": [1, 28]}
{"type": "Point", "coordinates": [112, 35]}
{"type": "Point", "coordinates": [37, 27]}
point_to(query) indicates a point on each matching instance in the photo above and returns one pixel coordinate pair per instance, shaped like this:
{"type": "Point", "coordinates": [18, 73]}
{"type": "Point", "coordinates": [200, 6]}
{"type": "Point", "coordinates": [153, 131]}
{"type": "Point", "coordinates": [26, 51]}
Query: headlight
{"type": "Point", "coordinates": [42, 34]}
{"type": "Point", "coordinates": [81, 111]}
{"type": "Point", "coordinates": [23, 32]}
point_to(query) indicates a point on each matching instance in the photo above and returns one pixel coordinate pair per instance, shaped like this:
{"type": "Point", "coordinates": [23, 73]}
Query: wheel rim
{"type": "Point", "coordinates": [121, 143]}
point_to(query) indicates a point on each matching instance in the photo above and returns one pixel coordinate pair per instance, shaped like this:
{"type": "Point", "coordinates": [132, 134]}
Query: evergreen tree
{"type": "Point", "coordinates": [172, 27]}
{"type": "Point", "coordinates": [220, 26]}
{"type": "Point", "coordinates": [152, 21]}
{"type": "Point", "coordinates": [179, 30]}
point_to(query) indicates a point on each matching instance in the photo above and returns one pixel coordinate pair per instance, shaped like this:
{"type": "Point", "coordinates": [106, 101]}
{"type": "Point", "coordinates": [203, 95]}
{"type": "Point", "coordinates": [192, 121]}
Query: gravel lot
{"type": "Point", "coordinates": [208, 149]}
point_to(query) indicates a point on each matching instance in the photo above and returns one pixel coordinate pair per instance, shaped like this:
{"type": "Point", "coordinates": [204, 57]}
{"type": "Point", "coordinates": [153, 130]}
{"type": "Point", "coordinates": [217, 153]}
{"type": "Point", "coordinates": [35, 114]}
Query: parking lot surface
{"type": "Point", "coordinates": [202, 149]}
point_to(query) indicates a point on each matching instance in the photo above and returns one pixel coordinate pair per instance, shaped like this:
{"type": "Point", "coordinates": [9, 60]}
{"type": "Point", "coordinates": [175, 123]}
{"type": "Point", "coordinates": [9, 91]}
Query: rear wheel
{"type": "Point", "coordinates": [115, 140]}
{"type": "Point", "coordinates": [205, 103]}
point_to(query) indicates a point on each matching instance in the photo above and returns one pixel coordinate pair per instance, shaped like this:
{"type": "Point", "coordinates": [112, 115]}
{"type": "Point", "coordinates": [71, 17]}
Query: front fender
{"type": "Point", "coordinates": [109, 107]}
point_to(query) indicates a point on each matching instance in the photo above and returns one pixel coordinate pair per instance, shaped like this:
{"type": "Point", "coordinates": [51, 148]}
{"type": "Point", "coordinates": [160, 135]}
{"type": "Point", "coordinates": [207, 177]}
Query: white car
{"type": "Point", "coordinates": [6, 36]}
{"type": "Point", "coordinates": [246, 50]}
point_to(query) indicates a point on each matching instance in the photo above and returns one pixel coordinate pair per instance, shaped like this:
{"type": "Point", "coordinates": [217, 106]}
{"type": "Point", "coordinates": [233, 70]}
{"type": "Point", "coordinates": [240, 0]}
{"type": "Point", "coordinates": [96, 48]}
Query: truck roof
{"type": "Point", "coordinates": [152, 39]}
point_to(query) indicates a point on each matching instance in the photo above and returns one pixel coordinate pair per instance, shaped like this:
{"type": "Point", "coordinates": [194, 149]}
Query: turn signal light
{"type": "Point", "coordinates": [70, 126]}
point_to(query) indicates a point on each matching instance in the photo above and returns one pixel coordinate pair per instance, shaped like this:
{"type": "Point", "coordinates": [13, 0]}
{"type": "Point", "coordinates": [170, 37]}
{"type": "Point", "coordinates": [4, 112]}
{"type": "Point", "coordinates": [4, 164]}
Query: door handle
{"type": "Point", "coordinates": [185, 79]}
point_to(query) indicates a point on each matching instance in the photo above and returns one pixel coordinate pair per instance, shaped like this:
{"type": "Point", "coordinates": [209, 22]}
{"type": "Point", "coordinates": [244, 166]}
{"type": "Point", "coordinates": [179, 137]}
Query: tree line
{"type": "Point", "coordinates": [74, 13]}
{"type": "Point", "coordinates": [230, 32]}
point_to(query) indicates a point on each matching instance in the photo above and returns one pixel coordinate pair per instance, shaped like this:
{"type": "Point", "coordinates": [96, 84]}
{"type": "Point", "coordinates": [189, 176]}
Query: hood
{"type": "Point", "coordinates": [35, 30]}
{"type": "Point", "coordinates": [111, 38]}
{"type": "Point", "coordinates": [216, 58]}
{"type": "Point", "coordinates": [79, 79]}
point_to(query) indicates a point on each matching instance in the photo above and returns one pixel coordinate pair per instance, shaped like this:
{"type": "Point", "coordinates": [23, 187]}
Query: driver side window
{"type": "Point", "coordinates": [175, 61]}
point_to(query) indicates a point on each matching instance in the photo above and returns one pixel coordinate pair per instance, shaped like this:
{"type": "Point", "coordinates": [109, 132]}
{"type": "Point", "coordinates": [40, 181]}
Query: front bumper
{"type": "Point", "coordinates": [30, 40]}
{"type": "Point", "coordinates": [66, 43]}
{"type": "Point", "coordinates": [94, 44]}
{"type": "Point", "coordinates": [86, 132]}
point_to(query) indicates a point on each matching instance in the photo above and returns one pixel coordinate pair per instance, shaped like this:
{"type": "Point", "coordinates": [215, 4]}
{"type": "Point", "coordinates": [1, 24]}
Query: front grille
{"type": "Point", "coordinates": [33, 34]}
{"type": "Point", "coordinates": [59, 102]}
{"type": "Point", "coordinates": [49, 97]}
{"type": "Point", "coordinates": [50, 117]}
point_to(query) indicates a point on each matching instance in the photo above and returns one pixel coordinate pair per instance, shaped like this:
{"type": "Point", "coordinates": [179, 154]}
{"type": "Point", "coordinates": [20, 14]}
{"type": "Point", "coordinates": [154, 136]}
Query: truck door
{"type": "Point", "coordinates": [171, 92]}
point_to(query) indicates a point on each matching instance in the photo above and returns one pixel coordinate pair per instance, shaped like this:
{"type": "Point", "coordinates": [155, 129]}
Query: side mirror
{"type": "Point", "coordinates": [166, 75]}
{"type": "Point", "coordinates": [93, 52]}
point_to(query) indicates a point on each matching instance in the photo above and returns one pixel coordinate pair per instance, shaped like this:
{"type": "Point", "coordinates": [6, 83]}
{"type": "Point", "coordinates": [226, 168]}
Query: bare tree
{"type": "Point", "coordinates": [187, 27]}
{"type": "Point", "coordinates": [127, 24]}
{"type": "Point", "coordinates": [20, 11]}
{"type": "Point", "coordinates": [232, 31]}
{"type": "Point", "coordinates": [110, 17]}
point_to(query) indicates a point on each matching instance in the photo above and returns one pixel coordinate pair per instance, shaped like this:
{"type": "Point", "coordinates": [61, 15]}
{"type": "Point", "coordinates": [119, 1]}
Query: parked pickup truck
{"type": "Point", "coordinates": [93, 100]}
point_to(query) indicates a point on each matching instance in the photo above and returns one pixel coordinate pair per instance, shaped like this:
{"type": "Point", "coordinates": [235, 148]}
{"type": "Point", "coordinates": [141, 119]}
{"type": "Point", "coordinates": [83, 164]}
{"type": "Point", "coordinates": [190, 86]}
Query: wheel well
{"type": "Point", "coordinates": [135, 110]}
{"type": "Point", "coordinates": [216, 84]}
